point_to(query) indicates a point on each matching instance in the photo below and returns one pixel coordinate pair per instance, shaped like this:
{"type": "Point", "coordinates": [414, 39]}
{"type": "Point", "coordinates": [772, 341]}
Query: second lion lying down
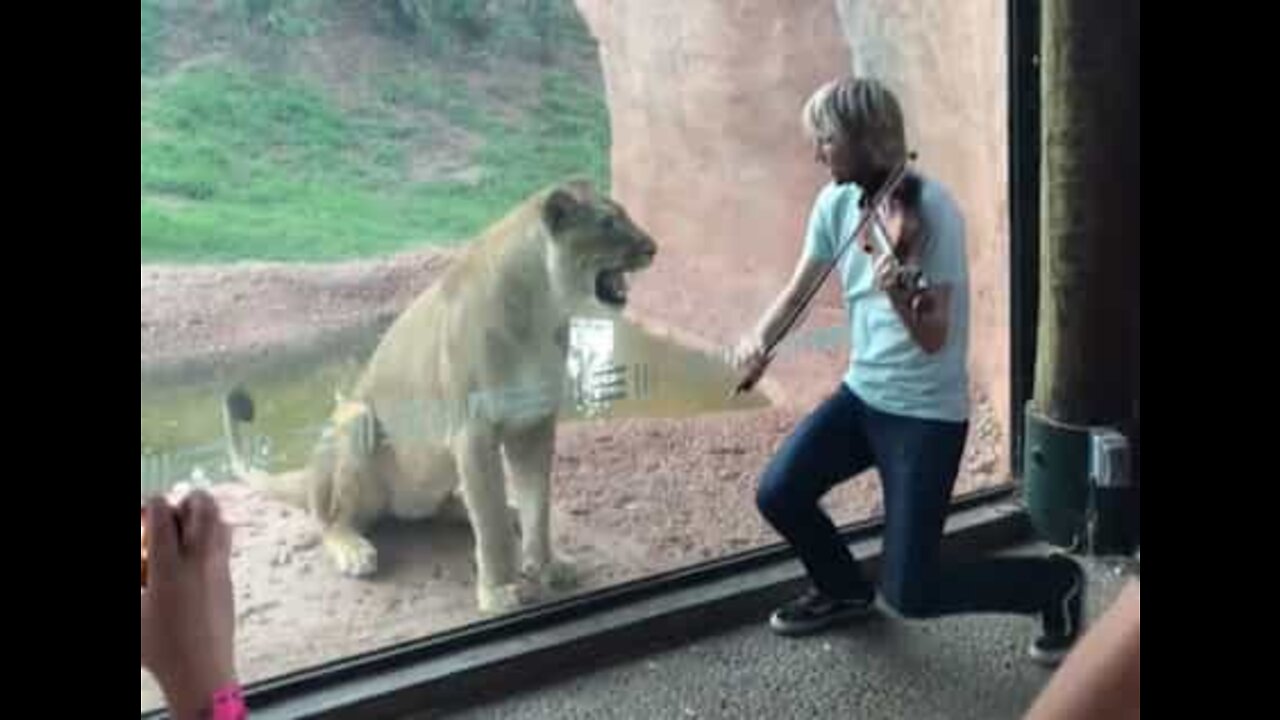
{"type": "Point", "coordinates": [424, 431]}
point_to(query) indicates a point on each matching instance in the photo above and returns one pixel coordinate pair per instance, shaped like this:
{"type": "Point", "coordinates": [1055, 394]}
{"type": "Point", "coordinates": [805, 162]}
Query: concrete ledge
{"type": "Point", "coordinates": [640, 620]}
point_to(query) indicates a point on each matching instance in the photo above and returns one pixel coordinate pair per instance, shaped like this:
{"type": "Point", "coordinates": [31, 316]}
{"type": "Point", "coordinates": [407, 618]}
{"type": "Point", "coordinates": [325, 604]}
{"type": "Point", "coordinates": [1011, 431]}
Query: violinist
{"type": "Point", "coordinates": [902, 406]}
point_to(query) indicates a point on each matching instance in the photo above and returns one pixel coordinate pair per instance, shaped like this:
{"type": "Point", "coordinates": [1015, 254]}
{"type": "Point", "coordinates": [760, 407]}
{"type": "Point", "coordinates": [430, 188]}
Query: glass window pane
{"type": "Point", "coordinates": [312, 168]}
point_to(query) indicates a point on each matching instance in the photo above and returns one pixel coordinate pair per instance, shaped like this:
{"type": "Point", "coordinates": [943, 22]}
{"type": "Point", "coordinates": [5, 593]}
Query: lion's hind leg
{"type": "Point", "coordinates": [351, 495]}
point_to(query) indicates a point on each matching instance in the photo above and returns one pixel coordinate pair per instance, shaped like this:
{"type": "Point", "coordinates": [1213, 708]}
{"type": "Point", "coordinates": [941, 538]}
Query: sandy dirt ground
{"type": "Point", "coordinates": [630, 497]}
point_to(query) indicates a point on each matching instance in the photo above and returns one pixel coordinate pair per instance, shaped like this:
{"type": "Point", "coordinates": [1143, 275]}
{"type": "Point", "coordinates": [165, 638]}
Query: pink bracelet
{"type": "Point", "coordinates": [228, 704]}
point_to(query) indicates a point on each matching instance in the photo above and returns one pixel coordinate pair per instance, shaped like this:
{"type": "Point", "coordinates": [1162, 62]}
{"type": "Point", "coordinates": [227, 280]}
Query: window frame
{"type": "Point", "coordinates": [979, 521]}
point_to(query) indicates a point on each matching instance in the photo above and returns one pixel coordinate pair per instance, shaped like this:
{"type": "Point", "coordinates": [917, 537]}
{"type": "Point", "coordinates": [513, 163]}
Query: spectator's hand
{"type": "Point", "coordinates": [188, 613]}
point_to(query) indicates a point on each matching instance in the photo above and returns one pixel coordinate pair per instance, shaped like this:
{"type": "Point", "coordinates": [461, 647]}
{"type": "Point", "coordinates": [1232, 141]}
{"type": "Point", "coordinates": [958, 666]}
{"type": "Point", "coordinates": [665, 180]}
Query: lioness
{"type": "Point", "coordinates": [432, 410]}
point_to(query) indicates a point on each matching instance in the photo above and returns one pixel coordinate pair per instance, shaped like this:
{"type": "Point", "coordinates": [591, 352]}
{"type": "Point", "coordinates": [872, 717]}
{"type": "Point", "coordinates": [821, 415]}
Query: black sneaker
{"type": "Point", "coordinates": [1063, 620]}
{"type": "Point", "coordinates": [814, 611]}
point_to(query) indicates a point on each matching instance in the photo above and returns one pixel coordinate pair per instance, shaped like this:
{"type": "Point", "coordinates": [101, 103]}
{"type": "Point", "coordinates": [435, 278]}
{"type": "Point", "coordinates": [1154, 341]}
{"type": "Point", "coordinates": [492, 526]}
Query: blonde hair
{"type": "Point", "coordinates": [862, 112]}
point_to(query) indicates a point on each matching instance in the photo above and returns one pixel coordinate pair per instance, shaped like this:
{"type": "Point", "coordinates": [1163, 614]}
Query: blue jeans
{"type": "Point", "coordinates": [918, 460]}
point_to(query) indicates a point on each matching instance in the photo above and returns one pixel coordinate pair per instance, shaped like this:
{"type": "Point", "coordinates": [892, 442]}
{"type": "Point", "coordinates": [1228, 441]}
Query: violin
{"type": "Point", "coordinates": [902, 188]}
{"type": "Point", "coordinates": [908, 248]}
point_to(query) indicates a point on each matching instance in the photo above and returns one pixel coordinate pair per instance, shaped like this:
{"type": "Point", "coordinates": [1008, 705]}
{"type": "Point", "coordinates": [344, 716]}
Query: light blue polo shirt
{"type": "Point", "coordinates": [887, 369]}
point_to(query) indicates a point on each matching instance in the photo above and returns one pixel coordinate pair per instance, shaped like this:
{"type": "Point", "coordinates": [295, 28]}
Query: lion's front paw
{"type": "Point", "coordinates": [352, 554]}
{"type": "Point", "coordinates": [499, 598]}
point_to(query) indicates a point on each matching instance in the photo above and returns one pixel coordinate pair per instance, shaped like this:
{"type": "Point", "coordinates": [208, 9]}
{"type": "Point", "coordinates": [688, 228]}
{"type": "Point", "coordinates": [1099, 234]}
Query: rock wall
{"type": "Point", "coordinates": [946, 61]}
{"type": "Point", "coordinates": [704, 101]}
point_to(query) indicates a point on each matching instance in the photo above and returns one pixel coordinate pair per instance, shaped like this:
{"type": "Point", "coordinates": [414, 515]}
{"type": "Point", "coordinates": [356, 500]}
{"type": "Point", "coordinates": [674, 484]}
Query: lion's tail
{"type": "Point", "coordinates": [289, 487]}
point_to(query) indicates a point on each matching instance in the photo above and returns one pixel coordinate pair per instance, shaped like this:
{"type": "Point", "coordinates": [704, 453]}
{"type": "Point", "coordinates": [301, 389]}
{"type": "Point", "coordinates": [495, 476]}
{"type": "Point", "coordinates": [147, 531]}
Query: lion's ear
{"type": "Point", "coordinates": [558, 209]}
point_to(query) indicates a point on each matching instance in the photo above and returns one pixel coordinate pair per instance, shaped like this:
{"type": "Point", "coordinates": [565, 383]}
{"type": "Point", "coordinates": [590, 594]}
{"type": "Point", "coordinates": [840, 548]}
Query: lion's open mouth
{"type": "Point", "coordinates": [611, 287]}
